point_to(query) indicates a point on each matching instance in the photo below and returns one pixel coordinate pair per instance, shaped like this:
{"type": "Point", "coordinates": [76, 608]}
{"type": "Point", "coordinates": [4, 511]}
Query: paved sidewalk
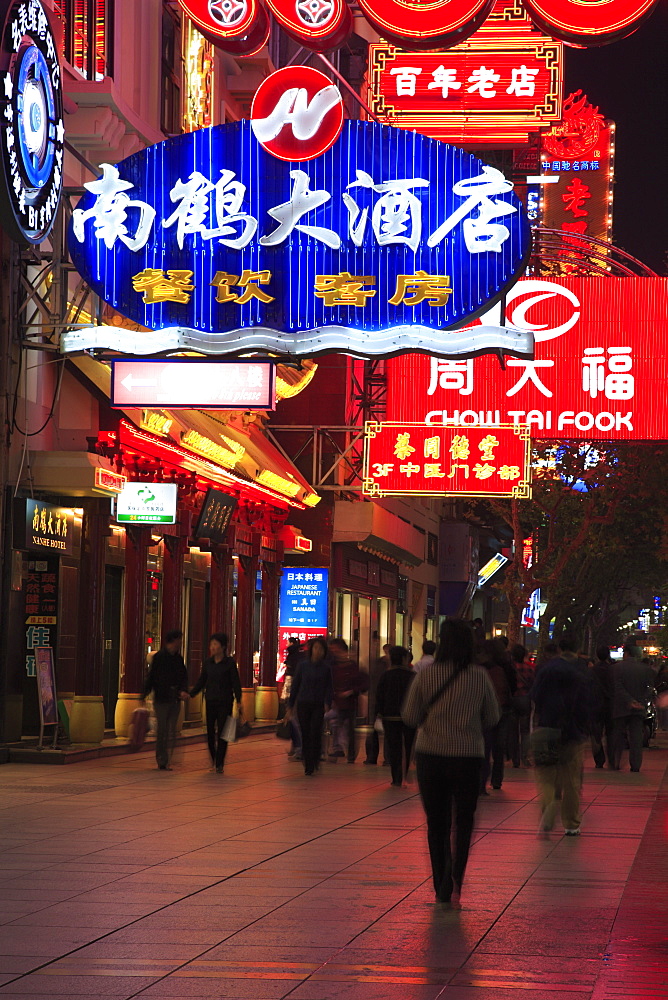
{"type": "Point", "coordinates": [120, 881]}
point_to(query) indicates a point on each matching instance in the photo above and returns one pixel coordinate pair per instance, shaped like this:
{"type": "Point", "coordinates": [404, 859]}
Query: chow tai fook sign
{"type": "Point", "coordinates": [599, 373]}
{"type": "Point", "coordinates": [493, 89]}
{"type": "Point", "coordinates": [387, 242]}
{"type": "Point", "coordinates": [216, 385]}
{"type": "Point", "coordinates": [418, 459]}
{"type": "Point", "coordinates": [242, 26]}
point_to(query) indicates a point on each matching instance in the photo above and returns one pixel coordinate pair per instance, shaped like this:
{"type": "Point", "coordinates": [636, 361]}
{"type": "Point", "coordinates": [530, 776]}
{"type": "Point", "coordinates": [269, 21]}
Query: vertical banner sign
{"type": "Point", "coordinates": [401, 459]}
{"type": "Point", "coordinates": [304, 606]}
{"type": "Point", "coordinates": [32, 132]}
{"type": "Point", "coordinates": [41, 608]}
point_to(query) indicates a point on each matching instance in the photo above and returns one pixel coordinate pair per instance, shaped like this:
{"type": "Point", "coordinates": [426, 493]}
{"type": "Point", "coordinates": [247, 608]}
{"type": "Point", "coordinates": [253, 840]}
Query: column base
{"type": "Point", "coordinates": [248, 703]}
{"type": "Point", "coordinates": [266, 704]}
{"type": "Point", "coordinates": [87, 719]}
{"type": "Point", "coordinates": [125, 706]}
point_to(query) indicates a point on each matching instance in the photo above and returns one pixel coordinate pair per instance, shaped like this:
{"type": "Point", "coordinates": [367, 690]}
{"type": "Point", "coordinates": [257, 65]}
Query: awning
{"type": "Point", "coordinates": [378, 530]}
{"type": "Point", "coordinates": [242, 454]}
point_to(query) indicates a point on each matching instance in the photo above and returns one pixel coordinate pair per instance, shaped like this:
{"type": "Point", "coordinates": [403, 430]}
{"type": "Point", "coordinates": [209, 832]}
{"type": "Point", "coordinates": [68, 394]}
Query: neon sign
{"type": "Point", "coordinates": [235, 25]}
{"type": "Point", "coordinates": [297, 113]}
{"type": "Point", "coordinates": [31, 111]}
{"type": "Point", "coordinates": [217, 246]}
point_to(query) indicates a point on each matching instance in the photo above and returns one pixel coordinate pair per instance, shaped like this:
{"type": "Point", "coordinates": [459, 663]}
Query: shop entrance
{"type": "Point", "coordinates": [113, 602]}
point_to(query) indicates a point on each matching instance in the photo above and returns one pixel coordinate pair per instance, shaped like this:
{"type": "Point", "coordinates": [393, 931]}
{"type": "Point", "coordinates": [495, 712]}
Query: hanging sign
{"type": "Point", "coordinates": [241, 27]}
{"type": "Point", "coordinates": [147, 503]}
{"type": "Point", "coordinates": [316, 24]}
{"type": "Point", "coordinates": [384, 244]}
{"type": "Point", "coordinates": [31, 116]}
{"type": "Point", "coordinates": [401, 459]}
{"type": "Point", "coordinates": [211, 385]}
{"type": "Point", "coordinates": [599, 373]}
{"type": "Point", "coordinates": [297, 113]}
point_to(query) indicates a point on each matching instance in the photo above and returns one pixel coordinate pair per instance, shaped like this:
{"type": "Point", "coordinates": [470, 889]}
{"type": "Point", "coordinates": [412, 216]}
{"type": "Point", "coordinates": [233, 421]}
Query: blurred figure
{"type": "Point", "coordinates": [220, 682]}
{"type": "Point", "coordinates": [427, 658]}
{"type": "Point", "coordinates": [548, 653]}
{"type": "Point", "coordinates": [497, 662]}
{"type": "Point", "coordinates": [602, 691]}
{"type": "Point", "coordinates": [168, 680]}
{"type": "Point", "coordinates": [661, 686]}
{"type": "Point", "coordinates": [373, 738]}
{"type": "Point", "coordinates": [293, 655]}
{"type": "Point", "coordinates": [449, 703]}
{"type": "Point", "coordinates": [478, 632]}
{"type": "Point", "coordinates": [633, 682]}
{"type": "Point", "coordinates": [561, 702]}
{"type": "Point", "coordinates": [312, 691]}
{"type": "Point", "coordinates": [520, 714]}
{"type": "Point", "coordinates": [349, 682]}
{"type": "Point", "coordinates": [392, 690]}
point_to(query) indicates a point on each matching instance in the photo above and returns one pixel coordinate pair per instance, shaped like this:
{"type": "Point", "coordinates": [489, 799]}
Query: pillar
{"type": "Point", "coordinates": [137, 542]}
{"type": "Point", "coordinates": [245, 621]}
{"type": "Point", "coordinates": [266, 698]}
{"type": "Point", "coordinates": [87, 716]}
{"type": "Point", "coordinates": [172, 582]}
{"type": "Point", "coordinates": [220, 591]}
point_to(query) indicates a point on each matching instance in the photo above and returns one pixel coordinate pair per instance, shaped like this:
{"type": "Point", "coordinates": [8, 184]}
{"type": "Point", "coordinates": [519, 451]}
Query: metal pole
{"type": "Point", "coordinates": [351, 90]}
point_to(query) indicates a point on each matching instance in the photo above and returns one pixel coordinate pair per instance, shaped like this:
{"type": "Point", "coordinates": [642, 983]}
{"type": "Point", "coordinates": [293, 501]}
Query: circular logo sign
{"type": "Point", "coordinates": [31, 112]}
{"type": "Point", "coordinates": [297, 113]}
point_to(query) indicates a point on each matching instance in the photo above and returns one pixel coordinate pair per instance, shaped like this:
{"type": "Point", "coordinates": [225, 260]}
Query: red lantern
{"type": "Point", "coordinates": [240, 27]}
{"type": "Point", "coordinates": [316, 24]}
{"type": "Point", "coordinates": [425, 24]}
{"type": "Point", "coordinates": [585, 24]}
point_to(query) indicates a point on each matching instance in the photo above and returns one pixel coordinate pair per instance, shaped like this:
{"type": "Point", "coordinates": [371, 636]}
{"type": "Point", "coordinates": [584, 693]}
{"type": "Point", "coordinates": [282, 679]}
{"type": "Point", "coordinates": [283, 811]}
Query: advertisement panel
{"type": "Point", "coordinates": [599, 373]}
{"type": "Point", "coordinates": [385, 243]}
{"type": "Point", "coordinates": [407, 458]}
{"type": "Point", "coordinates": [211, 385]}
{"type": "Point", "coordinates": [147, 503]}
{"type": "Point", "coordinates": [304, 606]}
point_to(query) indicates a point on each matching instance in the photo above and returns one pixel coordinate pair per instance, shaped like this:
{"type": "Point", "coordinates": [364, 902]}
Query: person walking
{"type": "Point", "coordinates": [349, 683]}
{"type": "Point", "coordinates": [496, 659]}
{"type": "Point", "coordinates": [427, 658]}
{"type": "Point", "coordinates": [373, 740]}
{"type": "Point", "coordinates": [312, 691]}
{"type": "Point", "coordinates": [602, 691]}
{"type": "Point", "coordinates": [392, 690]}
{"type": "Point", "coordinates": [221, 684]}
{"type": "Point", "coordinates": [168, 680]}
{"type": "Point", "coordinates": [561, 716]}
{"type": "Point", "coordinates": [633, 683]}
{"type": "Point", "coordinates": [450, 703]}
{"type": "Point", "coordinates": [294, 654]}
{"type": "Point", "coordinates": [520, 707]}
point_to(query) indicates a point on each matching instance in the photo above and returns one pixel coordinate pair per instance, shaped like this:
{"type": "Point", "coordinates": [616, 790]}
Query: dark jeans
{"type": "Point", "coordinates": [399, 743]}
{"type": "Point", "coordinates": [216, 715]}
{"type": "Point", "coordinates": [346, 719]}
{"type": "Point", "coordinates": [372, 747]}
{"type": "Point", "coordinates": [597, 728]}
{"type": "Point", "coordinates": [311, 715]}
{"type": "Point", "coordinates": [631, 725]}
{"type": "Point", "coordinates": [495, 750]}
{"type": "Point", "coordinates": [518, 730]}
{"type": "Point", "coordinates": [444, 781]}
{"type": "Point", "coordinates": [166, 717]}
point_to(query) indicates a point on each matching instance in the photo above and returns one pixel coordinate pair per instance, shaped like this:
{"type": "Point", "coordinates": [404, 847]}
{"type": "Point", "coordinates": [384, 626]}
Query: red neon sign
{"type": "Point", "coordinates": [235, 25]}
{"type": "Point", "coordinates": [401, 459]}
{"type": "Point", "coordinates": [297, 113]}
{"type": "Point", "coordinates": [494, 89]}
{"type": "Point", "coordinates": [315, 24]}
{"type": "Point", "coordinates": [599, 372]}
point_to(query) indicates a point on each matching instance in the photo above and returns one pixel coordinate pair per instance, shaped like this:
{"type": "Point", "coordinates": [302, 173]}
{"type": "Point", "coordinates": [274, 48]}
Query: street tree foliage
{"type": "Point", "coordinates": [598, 520]}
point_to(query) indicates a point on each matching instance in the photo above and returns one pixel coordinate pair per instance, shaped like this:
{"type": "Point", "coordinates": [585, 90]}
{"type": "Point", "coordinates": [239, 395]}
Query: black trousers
{"type": "Point", "coordinates": [311, 715]}
{"type": "Point", "coordinates": [444, 782]}
{"type": "Point", "coordinates": [398, 746]}
{"type": "Point", "coordinates": [496, 740]}
{"type": "Point", "coordinates": [166, 717]}
{"type": "Point", "coordinates": [599, 726]}
{"type": "Point", "coordinates": [216, 714]}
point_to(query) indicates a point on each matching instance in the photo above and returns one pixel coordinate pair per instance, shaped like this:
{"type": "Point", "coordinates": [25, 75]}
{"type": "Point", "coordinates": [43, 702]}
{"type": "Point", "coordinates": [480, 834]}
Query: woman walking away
{"type": "Point", "coordinates": [390, 696]}
{"type": "Point", "coordinates": [451, 702]}
{"type": "Point", "coordinates": [311, 692]}
{"type": "Point", "coordinates": [220, 681]}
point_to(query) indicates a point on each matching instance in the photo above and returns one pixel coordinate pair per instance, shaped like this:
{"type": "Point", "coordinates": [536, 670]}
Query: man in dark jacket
{"type": "Point", "coordinates": [602, 689]}
{"type": "Point", "coordinates": [392, 690]}
{"type": "Point", "coordinates": [561, 699]}
{"type": "Point", "coordinates": [633, 682]}
{"type": "Point", "coordinates": [220, 680]}
{"type": "Point", "coordinates": [168, 680]}
{"type": "Point", "coordinates": [349, 683]}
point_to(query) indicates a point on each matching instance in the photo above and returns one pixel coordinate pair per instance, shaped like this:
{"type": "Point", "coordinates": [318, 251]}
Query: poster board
{"type": "Point", "coordinates": [46, 689]}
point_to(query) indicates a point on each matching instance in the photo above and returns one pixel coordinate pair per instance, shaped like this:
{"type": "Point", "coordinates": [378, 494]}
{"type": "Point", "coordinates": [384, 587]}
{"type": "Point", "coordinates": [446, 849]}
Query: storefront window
{"type": "Point", "coordinates": [383, 621]}
{"type": "Point", "coordinates": [88, 33]}
{"type": "Point", "coordinates": [153, 611]}
{"type": "Point", "coordinates": [344, 615]}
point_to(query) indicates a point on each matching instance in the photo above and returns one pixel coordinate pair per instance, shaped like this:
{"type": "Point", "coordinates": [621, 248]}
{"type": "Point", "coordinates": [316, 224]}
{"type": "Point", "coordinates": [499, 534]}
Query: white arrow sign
{"type": "Point", "coordinates": [130, 382]}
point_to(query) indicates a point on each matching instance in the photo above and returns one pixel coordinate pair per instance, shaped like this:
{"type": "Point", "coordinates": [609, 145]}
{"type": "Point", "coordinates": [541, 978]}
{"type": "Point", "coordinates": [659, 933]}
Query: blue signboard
{"type": "Point", "coordinates": [386, 243]}
{"type": "Point", "coordinates": [304, 599]}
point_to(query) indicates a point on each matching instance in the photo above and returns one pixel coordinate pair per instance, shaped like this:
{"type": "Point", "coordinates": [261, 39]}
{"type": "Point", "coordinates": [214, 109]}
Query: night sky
{"type": "Point", "coordinates": [628, 80]}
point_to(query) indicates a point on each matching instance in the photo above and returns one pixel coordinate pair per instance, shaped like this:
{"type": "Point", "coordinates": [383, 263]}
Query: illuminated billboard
{"type": "Point", "coordinates": [401, 459]}
{"type": "Point", "coordinates": [211, 385]}
{"type": "Point", "coordinates": [599, 373]}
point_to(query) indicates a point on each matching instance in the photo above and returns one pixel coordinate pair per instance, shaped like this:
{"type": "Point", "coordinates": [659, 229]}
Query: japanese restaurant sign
{"type": "Point", "coordinates": [386, 243]}
{"type": "Point", "coordinates": [599, 373]}
{"type": "Point", "coordinates": [494, 89]}
{"type": "Point", "coordinates": [455, 460]}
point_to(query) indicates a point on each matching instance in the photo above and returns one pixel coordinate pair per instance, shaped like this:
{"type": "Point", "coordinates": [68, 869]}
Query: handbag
{"type": "Point", "coordinates": [229, 733]}
{"type": "Point", "coordinates": [243, 729]}
{"type": "Point", "coordinates": [284, 730]}
{"type": "Point", "coordinates": [378, 725]}
{"type": "Point", "coordinates": [545, 744]}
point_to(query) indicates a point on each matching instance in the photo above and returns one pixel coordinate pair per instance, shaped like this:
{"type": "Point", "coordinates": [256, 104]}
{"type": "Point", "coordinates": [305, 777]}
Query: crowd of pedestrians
{"type": "Point", "coordinates": [464, 711]}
